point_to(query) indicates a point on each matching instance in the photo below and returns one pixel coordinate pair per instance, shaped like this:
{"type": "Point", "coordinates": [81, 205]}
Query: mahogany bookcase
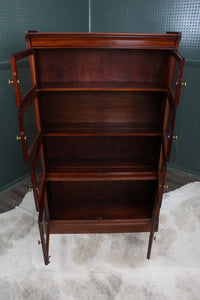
{"type": "Point", "coordinates": [96, 117]}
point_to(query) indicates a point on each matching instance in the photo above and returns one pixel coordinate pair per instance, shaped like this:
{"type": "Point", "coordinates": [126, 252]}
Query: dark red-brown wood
{"type": "Point", "coordinates": [43, 222]}
{"type": "Point", "coordinates": [105, 107]}
{"type": "Point", "coordinates": [20, 100]}
{"type": "Point", "coordinates": [103, 40]}
{"type": "Point", "coordinates": [28, 151]}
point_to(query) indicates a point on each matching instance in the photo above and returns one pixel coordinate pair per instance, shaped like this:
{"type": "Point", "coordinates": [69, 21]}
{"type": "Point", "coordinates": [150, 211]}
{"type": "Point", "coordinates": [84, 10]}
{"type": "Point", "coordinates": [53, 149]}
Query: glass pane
{"type": "Point", "coordinates": [38, 174]}
{"type": "Point", "coordinates": [169, 124]}
{"type": "Point", "coordinates": [24, 75]}
{"type": "Point", "coordinates": [174, 86]}
{"type": "Point", "coordinates": [29, 125]}
{"type": "Point", "coordinates": [45, 225]}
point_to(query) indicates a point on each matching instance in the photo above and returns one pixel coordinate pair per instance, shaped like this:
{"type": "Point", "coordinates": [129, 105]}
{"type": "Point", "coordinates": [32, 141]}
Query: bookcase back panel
{"type": "Point", "coordinates": [102, 65]}
{"type": "Point", "coordinates": [88, 107]}
{"type": "Point", "coordinates": [113, 199]}
{"type": "Point", "coordinates": [61, 151]}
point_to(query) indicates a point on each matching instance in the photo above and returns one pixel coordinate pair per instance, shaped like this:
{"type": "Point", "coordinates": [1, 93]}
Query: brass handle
{"type": "Point", "coordinates": [30, 189]}
{"type": "Point", "coordinates": [44, 224]}
{"type": "Point", "coordinates": [10, 82]}
{"type": "Point", "coordinates": [39, 242]}
{"type": "Point", "coordinates": [154, 237]}
{"type": "Point", "coordinates": [166, 186]}
{"type": "Point", "coordinates": [184, 83]}
{"type": "Point", "coordinates": [18, 138]}
{"type": "Point", "coordinates": [175, 137]}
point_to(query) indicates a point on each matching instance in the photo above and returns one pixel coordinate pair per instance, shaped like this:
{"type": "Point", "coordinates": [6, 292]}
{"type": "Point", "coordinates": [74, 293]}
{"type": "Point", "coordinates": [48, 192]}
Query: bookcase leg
{"type": "Point", "coordinates": [151, 236]}
{"type": "Point", "coordinates": [45, 243]}
{"type": "Point", "coordinates": [45, 248]}
{"type": "Point", "coordinates": [150, 243]}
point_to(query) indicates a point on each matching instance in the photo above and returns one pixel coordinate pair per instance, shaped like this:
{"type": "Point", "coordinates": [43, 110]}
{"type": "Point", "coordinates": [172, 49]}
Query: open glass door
{"type": "Point", "coordinates": [176, 77]}
{"type": "Point", "coordinates": [38, 173]}
{"type": "Point", "coordinates": [43, 222]}
{"type": "Point", "coordinates": [168, 128]}
{"type": "Point", "coordinates": [170, 132]}
{"type": "Point", "coordinates": [38, 184]}
{"type": "Point", "coordinates": [24, 81]}
{"type": "Point", "coordinates": [24, 76]}
{"type": "Point", "coordinates": [29, 126]}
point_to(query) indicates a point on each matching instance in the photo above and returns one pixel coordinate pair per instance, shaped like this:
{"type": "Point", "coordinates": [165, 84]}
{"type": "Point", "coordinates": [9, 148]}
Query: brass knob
{"type": "Point", "coordinates": [175, 137]}
{"type": "Point", "coordinates": [184, 83]}
{"type": "Point", "coordinates": [166, 186]}
{"type": "Point", "coordinates": [39, 242]}
{"type": "Point", "coordinates": [10, 82]}
{"type": "Point", "coordinates": [30, 189]}
{"type": "Point", "coordinates": [18, 138]}
{"type": "Point", "coordinates": [154, 237]}
{"type": "Point", "coordinates": [44, 224]}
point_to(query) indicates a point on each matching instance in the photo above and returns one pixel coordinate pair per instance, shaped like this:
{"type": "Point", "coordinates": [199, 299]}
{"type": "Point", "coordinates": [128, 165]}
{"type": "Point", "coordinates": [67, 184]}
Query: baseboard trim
{"type": "Point", "coordinates": [5, 65]}
{"type": "Point", "coordinates": [195, 174]}
{"type": "Point", "coordinates": [192, 62]}
{"type": "Point", "coordinates": [14, 183]}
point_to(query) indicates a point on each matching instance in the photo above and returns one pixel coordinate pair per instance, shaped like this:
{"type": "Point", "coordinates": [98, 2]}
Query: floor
{"type": "Point", "coordinates": [14, 196]}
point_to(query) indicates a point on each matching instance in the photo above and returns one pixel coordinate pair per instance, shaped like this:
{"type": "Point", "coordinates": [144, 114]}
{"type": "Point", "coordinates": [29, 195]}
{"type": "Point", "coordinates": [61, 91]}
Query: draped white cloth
{"type": "Point", "coordinates": [104, 266]}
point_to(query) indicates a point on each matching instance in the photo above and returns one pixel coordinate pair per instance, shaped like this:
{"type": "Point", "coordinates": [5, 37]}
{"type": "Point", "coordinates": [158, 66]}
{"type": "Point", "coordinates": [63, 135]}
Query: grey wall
{"type": "Point", "coordinates": [16, 16]}
{"type": "Point", "coordinates": [185, 154]}
{"type": "Point", "coordinates": [159, 16]}
{"type": "Point", "coordinates": [150, 16]}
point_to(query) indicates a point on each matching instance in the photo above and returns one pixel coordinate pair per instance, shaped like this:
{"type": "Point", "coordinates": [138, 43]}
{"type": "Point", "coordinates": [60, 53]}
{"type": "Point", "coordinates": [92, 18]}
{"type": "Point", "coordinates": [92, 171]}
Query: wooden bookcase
{"type": "Point", "coordinates": [104, 107]}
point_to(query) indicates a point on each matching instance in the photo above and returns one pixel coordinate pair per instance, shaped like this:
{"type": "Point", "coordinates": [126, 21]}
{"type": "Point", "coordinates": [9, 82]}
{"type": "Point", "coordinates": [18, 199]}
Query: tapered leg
{"type": "Point", "coordinates": [44, 227]}
{"type": "Point", "coordinates": [44, 234]}
{"type": "Point", "coordinates": [150, 244]}
{"type": "Point", "coordinates": [151, 235]}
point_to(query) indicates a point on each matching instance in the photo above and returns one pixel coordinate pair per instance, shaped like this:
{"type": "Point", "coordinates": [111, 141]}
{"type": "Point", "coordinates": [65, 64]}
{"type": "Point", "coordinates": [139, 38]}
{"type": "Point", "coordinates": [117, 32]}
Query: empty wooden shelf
{"type": "Point", "coordinates": [96, 117]}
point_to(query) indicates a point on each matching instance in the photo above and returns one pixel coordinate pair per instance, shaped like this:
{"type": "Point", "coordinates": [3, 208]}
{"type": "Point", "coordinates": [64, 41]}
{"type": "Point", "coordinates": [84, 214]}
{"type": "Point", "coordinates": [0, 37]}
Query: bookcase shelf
{"type": "Point", "coordinates": [102, 129]}
{"type": "Point", "coordinates": [101, 86]}
{"type": "Point", "coordinates": [101, 170]}
{"type": "Point", "coordinates": [114, 200]}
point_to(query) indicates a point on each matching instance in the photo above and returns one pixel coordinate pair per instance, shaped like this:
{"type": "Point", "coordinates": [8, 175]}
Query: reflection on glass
{"type": "Point", "coordinates": [29, 125]}
{"type": "Point", "coordinates": [45, 225]}
{"type": "Point", "coordinates": [24, 75]}
{"type": "Point", "coordinates": [38, 174]}
{"type": "Point", "coordinates": [169, 124]}
{"type": "Point", "coordinates": [175, 77]}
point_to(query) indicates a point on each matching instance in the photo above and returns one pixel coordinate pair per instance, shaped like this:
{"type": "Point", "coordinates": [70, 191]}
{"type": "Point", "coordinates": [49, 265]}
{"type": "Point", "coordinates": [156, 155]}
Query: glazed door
{"type": "Point", "coordinates": [29, 127]}
{"type": "Point", "coordinates": [43, 222]}
{"type": "Point", "coordinates": [176, 77]}
{"type": "Point", "coordinates": [38, 173]}
{"type": "Point", "coordinates": [168, 128]}
{"type": "Point", "coordinates": [24, 82]}
{"type": "Point", "coordinates": [24, 75]}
